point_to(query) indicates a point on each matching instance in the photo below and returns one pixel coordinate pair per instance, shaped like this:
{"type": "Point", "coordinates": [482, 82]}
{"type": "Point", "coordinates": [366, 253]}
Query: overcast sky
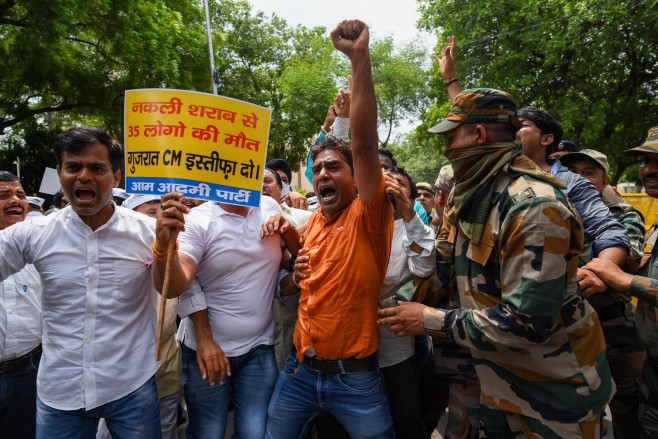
{"type": "Point", "coordinates": [384, 17]}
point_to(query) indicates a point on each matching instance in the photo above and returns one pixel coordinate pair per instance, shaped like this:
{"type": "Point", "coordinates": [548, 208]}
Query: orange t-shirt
{"type": "Point", "coordinates": [348, 260]}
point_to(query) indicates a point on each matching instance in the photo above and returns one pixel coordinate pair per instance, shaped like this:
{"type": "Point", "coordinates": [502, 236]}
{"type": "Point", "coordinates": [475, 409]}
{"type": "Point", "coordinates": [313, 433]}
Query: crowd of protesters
{"type": "Point", "coordinates": [498, 296]}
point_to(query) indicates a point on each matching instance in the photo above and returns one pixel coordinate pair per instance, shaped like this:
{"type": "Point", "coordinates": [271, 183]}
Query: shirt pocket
{"type": "Point", "coordinates": [127, 276]}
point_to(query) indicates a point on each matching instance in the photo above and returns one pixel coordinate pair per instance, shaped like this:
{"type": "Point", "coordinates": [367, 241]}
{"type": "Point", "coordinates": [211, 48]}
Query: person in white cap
{"type": "Point", "coordinates": [119, 195]}
{"type": "Point", "coordinates": [35, 207]}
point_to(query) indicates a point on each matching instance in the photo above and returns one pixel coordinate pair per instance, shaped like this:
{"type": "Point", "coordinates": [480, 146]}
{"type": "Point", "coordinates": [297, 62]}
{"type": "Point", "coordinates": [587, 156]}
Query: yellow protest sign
{"type": "Point", "coordinates": [202, 145]}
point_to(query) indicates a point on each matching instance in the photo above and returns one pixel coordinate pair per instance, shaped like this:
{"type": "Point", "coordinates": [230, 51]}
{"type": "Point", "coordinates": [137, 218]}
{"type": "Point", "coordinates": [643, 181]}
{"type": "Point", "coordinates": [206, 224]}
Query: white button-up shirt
{"type": "Point", "coordinates": [20, 313]}
{"type": "Point", "coordinates": [404, 265]}
{"type": "Point", "coordinates": [235, 277]}
{"type": "Point", "coordinates": [99, 304]}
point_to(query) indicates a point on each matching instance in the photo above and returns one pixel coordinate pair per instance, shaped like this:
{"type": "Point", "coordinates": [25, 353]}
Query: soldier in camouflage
{"type": "Point", "coordinates": [537, 345]}
{"type": "Point", "coordinates": [625, 349]}
{"type": "Point", "coordinates": [644, 286]}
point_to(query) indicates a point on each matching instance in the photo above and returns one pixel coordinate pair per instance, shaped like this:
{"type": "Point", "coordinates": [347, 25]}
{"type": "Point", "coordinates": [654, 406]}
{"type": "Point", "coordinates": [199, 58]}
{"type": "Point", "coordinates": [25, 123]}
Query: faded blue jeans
{"type": "Point", "coordinates": [357, 399]}
{"type": "Point", "coordinates": [135, 416]}
{"type": "Point", "coordinates": [250, 386]}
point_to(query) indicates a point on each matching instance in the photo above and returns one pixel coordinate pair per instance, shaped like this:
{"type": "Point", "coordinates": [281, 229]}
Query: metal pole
{"type": "Point", "coordinates": [17, 162]}
{"type": "Point", "coordinates": [212, 56]}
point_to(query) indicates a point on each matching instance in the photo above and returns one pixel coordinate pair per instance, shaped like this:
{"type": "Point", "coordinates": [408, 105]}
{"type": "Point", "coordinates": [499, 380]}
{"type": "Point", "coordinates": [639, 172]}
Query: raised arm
{"type": "Point", "coordinates": [447, 69]}
{"type": "Point", "coordinates": [352, 38]}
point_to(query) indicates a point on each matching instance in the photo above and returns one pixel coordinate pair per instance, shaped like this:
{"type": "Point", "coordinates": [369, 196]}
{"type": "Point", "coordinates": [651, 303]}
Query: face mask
{"type": "Point", "coordinates": [285, 189]}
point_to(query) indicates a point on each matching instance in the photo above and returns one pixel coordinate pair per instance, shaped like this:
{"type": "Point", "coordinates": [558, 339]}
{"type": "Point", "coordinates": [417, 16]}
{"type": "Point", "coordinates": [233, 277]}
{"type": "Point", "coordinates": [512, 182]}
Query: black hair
{"type": "Point", "coordinates": [546, 123]}
{"type": "Point", "coordinates": [387, 152]}
{"type": "Point", "coordinates": [412, 184]}
{"type": "Point", "coordinates": [277, 177]}
{"type": "Point", "coordinates": [75, 139]}
{"type": "Point", "coordinates": [8, 176]}
{"type": "Point", "coordinates": [57, 198]}
{"type": "Point", "coordinates": [334, 144]}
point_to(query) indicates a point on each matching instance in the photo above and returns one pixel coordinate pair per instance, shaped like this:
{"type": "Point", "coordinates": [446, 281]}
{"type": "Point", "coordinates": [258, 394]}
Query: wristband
{"type": "Point", "coordinates": [323, 130]}
{"type": "Point", "coordinates": [452, 81]}
{"type": "Point", "coordinates": [294, 280]}
{"type": "Point", "coordinates": [162, 256]}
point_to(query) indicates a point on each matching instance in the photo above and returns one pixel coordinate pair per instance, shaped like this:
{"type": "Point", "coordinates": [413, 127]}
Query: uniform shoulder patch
{"type": "Point", "coordinates": [525, 194]}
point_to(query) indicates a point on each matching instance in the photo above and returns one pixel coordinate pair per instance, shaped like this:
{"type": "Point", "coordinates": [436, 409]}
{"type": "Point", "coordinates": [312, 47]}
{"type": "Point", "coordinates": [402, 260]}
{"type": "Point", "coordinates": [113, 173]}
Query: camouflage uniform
{"type": "Point", "coordinates": [509, 263]}
{"type": "Point", "coordinates": [645, 288]}
{"type": "Point", "coordinates": [538, 349]}
{"type": "Point", "coordinates": [625, 349]}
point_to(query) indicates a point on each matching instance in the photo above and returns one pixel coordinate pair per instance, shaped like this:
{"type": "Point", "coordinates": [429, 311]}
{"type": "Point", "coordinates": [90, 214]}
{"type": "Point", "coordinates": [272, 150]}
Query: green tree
{"type": "Point", "coordinates": [68, 62]}
{"type": "Point", "coordinates": [80, 57]}
{"type": "Point", "coordinates": [418, 155]}
{"type": "Point", "coordinates": [591, 63]}
{"type": "Point", "coordinates": [400, 83]}
{"type": "Point", "coordinates": [262, 60]}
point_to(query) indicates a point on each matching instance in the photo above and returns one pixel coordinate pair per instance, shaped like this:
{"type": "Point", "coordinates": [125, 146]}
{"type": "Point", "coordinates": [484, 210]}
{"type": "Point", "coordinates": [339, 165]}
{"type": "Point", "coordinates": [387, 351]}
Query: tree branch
{"type": "Point", "coordinates": [4, 124]}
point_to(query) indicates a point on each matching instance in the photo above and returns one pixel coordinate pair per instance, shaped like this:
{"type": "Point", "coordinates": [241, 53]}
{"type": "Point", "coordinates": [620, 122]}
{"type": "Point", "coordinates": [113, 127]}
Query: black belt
{"type": "Point", "coordinates": [20, 362]}
{"type": "Point", "coordinates": [339, 366]}
{"type": "Point", "coordinates": [610, 312]}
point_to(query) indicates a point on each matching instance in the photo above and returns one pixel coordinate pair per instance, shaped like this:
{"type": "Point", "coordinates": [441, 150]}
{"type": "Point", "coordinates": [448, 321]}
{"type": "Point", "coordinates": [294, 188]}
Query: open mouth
{"type": "Point", "coordinates": [85, 195]}
{"type": "Point", "coordinates": [14, 212]}
{"type": "Point", "coordinates": [327, 194]}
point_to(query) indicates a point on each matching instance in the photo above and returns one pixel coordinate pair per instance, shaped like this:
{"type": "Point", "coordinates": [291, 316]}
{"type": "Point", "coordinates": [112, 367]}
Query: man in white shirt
{"type": "Point", "coordinates": [20, 327]}
{"type": "Point", "coordinates": [412, 256]}
{"type": "Point", "coordinates": [99, 314]}
{"type": "Point", "coordinates": [227, 329]}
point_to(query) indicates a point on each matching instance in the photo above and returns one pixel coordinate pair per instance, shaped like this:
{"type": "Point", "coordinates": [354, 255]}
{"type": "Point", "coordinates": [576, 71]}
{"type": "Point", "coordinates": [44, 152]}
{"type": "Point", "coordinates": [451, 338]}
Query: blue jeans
{"type": "Point", "coordinates": [250, 386]}
{"type": "Point", "coordinates": [18, 402]}
{"type": "Point", "coordinates": [357, 399]}
{"type": "Point", "coordinates": [135, 416]}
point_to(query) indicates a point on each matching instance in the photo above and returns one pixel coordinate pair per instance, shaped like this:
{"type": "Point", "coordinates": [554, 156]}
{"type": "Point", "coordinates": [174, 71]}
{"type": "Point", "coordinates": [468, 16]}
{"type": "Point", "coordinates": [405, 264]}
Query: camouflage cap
{"type": "Point", "coordinates": [426, 186]}
{"type": "Point", "coordinates": [649, 146]}
{"type": "Point", "coordinates": [479, 105]}
{"type": "Point", "coordinates": [446, 179]}
{"type": "Point", "coordinates": [598, 157]}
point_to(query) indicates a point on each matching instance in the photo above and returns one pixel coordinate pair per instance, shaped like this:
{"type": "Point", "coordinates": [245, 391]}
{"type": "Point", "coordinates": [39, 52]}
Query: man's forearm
{"type": "Point", "coordinates": [201, 324]}
{"type": "Point", "coordinates": [364, 105]}
{"type": "Point", "coordinates": [617, 255]}
{"type": "Point", "coordinates": [178, 280]}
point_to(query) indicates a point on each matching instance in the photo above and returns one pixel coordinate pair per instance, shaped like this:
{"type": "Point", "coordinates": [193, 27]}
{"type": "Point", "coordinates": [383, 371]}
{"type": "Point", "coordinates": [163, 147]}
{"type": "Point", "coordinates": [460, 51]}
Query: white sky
{"type": "Point", "coordinates": [384, 17]}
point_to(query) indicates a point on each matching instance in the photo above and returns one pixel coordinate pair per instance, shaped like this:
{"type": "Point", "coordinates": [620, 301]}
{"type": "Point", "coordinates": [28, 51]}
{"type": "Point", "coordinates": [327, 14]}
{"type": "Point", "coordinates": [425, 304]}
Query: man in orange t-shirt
{"type": "Point", "coordinates": [340, 270]}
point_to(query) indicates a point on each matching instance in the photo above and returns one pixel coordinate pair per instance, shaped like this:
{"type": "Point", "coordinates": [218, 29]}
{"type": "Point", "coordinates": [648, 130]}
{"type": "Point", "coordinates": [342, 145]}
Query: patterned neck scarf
{"type": "Point", "coordinates": [475, 169]}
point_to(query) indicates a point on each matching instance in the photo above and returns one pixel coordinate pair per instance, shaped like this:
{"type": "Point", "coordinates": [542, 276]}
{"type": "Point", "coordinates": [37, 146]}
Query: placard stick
{"type": "Point", "coordinates": [163, 295]}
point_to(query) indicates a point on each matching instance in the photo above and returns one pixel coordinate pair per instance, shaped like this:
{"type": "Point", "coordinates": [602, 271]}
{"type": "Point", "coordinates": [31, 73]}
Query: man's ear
{"type": "Point", "coordinates": [606, 181]}
{"type": "Point", "coordinates": [547, 140]}
{"type": "Point", "coordinates": [117, 177]}
{"type": "Point", "coordinates": [480, 133]}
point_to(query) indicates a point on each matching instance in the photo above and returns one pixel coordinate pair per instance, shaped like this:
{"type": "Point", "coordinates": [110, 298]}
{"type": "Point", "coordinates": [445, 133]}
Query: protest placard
{"type": "Point", "coordinates": [205, 146]}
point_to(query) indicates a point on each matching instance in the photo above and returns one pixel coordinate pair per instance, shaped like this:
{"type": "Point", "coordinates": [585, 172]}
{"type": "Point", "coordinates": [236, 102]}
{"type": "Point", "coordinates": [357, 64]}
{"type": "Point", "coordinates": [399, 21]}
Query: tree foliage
{"type": "Point", "coordinates": [418, 156]}
{"type": "Point", "coordinates": [67, 63]}
{"type": "Point", "coordinates": [80, 57]}
{"type": "Point", "coordinates": [262, 60]}
{"type": "Point", "coordinates": [591, 63]}
{"type": "Point", "coordinates": [400, 83]}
